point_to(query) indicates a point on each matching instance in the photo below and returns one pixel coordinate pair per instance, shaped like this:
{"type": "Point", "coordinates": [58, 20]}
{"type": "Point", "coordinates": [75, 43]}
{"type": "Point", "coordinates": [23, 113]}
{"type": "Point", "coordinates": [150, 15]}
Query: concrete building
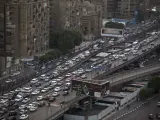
{"type": "Point", "coordinates": [80, 15]}
{"type": "Point", "coordinates": [25, 29]}
{"type": "Point", "coordinates": [28, 24]}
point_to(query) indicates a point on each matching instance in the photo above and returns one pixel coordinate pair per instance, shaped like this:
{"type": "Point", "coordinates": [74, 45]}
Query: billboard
{"type": "Point", "coordinates": [111, 32]}
{"type": "Point", "coordinates": [89, 88]}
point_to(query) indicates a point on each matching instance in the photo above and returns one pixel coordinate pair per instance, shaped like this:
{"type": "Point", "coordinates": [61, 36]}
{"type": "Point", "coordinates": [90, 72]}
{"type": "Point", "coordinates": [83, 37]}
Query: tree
{"type": "Point", "coordinates": [65, 40]}
{"type": "Point", "coordinates": [145, 93]}
{"type": "Point", "coordinates": [114, 25]}
{"type": "Point", "coordinates": [154, 83]}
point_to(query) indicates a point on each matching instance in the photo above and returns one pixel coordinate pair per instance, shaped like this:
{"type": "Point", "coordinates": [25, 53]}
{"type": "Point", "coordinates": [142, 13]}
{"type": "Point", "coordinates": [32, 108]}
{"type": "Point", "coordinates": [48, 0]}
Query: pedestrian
{"type": "Point", "coordinates": [61, 105]}
{"type": "Point", "coordinates": [49, 104]}
{"type": "Point", "coordinates": [128, 106]}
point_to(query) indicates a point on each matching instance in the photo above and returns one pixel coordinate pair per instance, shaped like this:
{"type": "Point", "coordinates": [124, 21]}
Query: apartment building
{"type": "Point", "coordinates": [77, 15]}
{"type": "Point", "coordinates": [28, 24]}
{"type": "Point", "coordinates": [24, 25]}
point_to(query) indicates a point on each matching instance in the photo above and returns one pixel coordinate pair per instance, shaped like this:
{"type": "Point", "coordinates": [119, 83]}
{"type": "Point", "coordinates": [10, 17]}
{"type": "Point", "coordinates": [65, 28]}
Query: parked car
{"type": "Point", "coordinates": [151, 116]}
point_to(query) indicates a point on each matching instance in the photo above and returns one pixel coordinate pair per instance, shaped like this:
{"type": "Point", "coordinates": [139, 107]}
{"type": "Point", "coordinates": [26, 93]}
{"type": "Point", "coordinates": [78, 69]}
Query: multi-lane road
{"type": "Point", "coordinates": [41, 113]}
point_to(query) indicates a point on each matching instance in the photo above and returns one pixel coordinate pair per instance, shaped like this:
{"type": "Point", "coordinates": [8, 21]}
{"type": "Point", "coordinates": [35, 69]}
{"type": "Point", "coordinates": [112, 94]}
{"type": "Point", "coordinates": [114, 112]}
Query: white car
{"type": "Point", "coordinates": [44, 90]}
{"type": "Point", "coordinates": [54, 82]}
{"type": "Point", "coordinates": [25, 100]}
{"type": "Point", "coordinates": [33, 108]}
{"type": "Point", "coordinates": [36, 92]}
{"type": "Point", "coordinates": [27, 89]}
{"type": "Point", "coordinates": [39, 98]}
{"type": "Point", "coordinates": [34, 80]}
{"type": "Point", "coordinates": [55, 94]}
{"type": "Point", "coordinates": [22, 107]}
{"type": "Point", "coordinates": [31, 105]}
{"type": "Point", "coordinates": [57, 89]}
{"type": "Point", "coordinates": [68, 83]}
{"type": "Point", "coordinates": [18, 98]}
{"type": "Point", "coordinates": [23, 117]}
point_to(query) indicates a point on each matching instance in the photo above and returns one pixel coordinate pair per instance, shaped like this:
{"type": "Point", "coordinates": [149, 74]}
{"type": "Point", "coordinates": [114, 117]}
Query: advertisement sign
{"type": "Point", "coordinates": [89, 88]}
{"type": "Point", "coordinates": [111, 32]}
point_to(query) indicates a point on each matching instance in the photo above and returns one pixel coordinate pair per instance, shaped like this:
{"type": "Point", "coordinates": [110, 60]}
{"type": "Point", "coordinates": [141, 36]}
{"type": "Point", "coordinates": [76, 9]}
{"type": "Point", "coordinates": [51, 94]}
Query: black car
{"type": "Point", "coordinates": [11, 118]}
{"type": "Point", "coordinates": [65, 88]}
{"type": "Point", "coordinates": [38, 84]}
{"type": "Point", "coordinates": [151, 116]}
{"type": "Point", "coordinates": [12, 113]}
{"type": "Point", "coordinates": [158, 115]}
{"type": "Point", "coordinates": [52, 99]}
{"type": "Point", "coordinates": [14, 106]}
{"type": "Point", "coordinates": [2, 112]}
{"type": "Point", "coordinates": [41, 104]}
{"type": "Point", "coordinates": [65, 93]}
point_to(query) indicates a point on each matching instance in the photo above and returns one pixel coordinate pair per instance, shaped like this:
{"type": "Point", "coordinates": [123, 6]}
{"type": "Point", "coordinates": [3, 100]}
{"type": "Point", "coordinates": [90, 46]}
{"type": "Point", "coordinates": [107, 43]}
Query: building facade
{"type": "Point", "coordinates": [28, 24]}
{"type": "Point", "coordinates": [77, 15]}
{"type": "Point", "coordinates": [24, 26]}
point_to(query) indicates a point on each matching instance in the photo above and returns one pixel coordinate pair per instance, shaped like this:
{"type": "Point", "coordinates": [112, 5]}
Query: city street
{"type": "Point", "coordinates": [141, 113]}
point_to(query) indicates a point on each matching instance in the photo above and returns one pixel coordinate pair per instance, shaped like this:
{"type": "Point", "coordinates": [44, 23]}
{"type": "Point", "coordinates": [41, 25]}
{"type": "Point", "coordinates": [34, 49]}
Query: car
{"type": "Point", "coordinates": [55, 94]}
{"type": "Point", "coordinates": [65, 88]}
{"type": "Point", "coordinates": [151, 116]}
{"type": "Point", "coordinates": [38, 84]}
{"type": "Point", "coordinates": [2, 112]}
{"type": "Point", "coordinates": [12, 113]}
{"type": "Point", "coordinates": [12, 118]}
{"type": "Point", "coordinates": [25, 100]}
{"type": "Point", "coordinates": [47, 97]}
{"type": "Point", "coordinates": [68, 84]}
{"type": "Point", "coordinates": [65, 93]}
{"type": "Point", "coordinates": [18, 98]}
{"type": "Point", "coordinates": [41, 104]}
{"type": "Point", "coordinates": [31, 105]}
{"type": "Point", "coordinates": [52, 99]}
{"type": "Point", "coordinates": [158, 115]}
{"type": "Point", "coordinates": [33, 108]}
{"type": "Point", "coordinates": [59, 83]}
{"type": "Point", "coordinates": [34, 80]}
{"type": "Point", "coordinates": [23, 117]}
{"type": "Point", "coordinates": [39, 98]}
{"type": "Point", "coordinates": [158, 104]}
{"type": "Point", "coordinates": [36, 92]}
{"type": "Point", "coordinates": [22, 107]}
{"type": "Point", "coordinates": [23, 111]}
{"type": "Point", "coordinates": [57, 89]}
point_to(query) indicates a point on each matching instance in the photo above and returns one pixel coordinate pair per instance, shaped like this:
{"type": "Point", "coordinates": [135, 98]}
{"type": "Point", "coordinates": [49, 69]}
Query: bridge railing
{"type": "Point", "coordinates": [134, 71]}
{"type": "Point", "coordinates": [65, 108]}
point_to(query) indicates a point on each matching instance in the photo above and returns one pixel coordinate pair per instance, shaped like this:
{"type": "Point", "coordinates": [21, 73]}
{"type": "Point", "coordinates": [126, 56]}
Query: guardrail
{"type": "Point", "coordinates": [101, 76]}
{"type": "Point", "coordinates": [64, 109]}
{"type": "Point", "coordinates": [133, 74]}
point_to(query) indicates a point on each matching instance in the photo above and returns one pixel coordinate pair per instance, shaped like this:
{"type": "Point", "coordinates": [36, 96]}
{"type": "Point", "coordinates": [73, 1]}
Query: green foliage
{"type": "Point", "coordinates": [65, 40]}
{"type": "Point", "coordinates": [154, 83]}
{"type": "Point", "coordinates": [145, 93]}
{"type": "Point", "coordinates": [114, 25]}
{"type": "Point", "coordinates": [52, 54]}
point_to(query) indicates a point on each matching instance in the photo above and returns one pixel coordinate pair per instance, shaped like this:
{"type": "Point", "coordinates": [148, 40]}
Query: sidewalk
{"type": "Point", "coordinates": [124, 110]}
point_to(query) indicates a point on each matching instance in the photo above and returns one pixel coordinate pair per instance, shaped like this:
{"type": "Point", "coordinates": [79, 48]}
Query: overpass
{"type": "Point", "coordinates": [114, 80]}
{"type": "Point", "coordinates": [122, 77]}
{"type": "Point", "coordinates": [104, 74]}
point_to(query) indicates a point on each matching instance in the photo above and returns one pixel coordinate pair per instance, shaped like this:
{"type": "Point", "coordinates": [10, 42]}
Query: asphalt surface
{"type": "Point", "coordinates": [44, 109]}
{"type": "Point", "coordinates": [118, 62]}
{"type": "Point", "coordinates": [47, 111]}
{"type": "Point", "coordinates": [130, 57]}
{"type": "Point", "coordinates": [141, 113]}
